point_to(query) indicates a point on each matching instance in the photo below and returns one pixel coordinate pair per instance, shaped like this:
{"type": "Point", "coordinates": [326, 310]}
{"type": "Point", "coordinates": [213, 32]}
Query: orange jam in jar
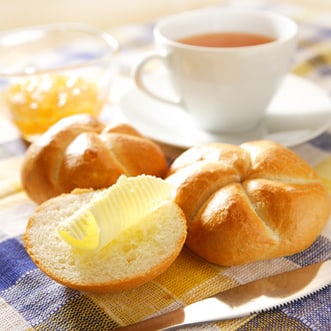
{"type": "Point", "coordinates": [36, 103]}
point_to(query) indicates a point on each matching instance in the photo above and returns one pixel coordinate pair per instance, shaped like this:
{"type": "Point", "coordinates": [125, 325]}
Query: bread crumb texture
{"type": "Point", "coordinates": [251, 202]}
{"type": "Point", "coordinates": [135, 256]}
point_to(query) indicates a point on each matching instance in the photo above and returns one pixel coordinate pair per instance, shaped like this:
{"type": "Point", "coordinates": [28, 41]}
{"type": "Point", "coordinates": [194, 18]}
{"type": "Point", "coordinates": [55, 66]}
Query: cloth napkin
{"type": "Point", "coordinates": [29, 300]}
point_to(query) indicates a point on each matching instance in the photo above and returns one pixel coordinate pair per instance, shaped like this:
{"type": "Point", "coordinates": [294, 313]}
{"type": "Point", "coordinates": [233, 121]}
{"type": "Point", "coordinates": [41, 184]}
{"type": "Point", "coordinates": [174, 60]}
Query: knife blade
{"type": "Point", "coordinates": [243, 300]}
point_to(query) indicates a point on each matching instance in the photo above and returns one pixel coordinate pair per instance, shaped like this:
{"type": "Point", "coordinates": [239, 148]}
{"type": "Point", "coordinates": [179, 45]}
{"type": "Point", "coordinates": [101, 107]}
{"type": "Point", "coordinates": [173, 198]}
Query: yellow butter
{"type": "Point", "coordinates": [112, 210]}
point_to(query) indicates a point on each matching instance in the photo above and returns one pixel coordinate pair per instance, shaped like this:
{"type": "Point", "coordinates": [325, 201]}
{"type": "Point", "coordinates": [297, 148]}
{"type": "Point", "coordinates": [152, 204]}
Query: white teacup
{"type": "Point", "coordinates": [225, 89]}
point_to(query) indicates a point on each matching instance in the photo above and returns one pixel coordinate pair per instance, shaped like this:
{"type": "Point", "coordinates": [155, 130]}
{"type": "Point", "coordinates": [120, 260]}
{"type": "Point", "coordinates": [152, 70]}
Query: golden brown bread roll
{"type": "Point", "coordinates": [250, 202]}
{"type": "Point", "coordinates": [81, 152]}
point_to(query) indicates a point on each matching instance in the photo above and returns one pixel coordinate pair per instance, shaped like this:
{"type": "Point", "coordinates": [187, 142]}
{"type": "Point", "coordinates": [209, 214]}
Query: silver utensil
{"type": "Point", "coordinates": [243, 300]}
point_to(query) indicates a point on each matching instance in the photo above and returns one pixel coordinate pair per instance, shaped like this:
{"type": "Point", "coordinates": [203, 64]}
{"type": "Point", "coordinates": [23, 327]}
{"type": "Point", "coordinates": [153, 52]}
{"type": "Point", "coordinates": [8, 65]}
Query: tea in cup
{"type": "Point", "coordinates": [224, 64]}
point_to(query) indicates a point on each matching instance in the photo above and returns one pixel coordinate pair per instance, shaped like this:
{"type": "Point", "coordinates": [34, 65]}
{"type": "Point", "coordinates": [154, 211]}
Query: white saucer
{"type": "Point", "coordinates": [299, 112]}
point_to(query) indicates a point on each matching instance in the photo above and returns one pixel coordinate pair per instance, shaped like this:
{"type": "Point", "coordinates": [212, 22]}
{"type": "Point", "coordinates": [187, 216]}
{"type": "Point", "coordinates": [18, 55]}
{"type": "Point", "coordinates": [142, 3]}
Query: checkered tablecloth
{"type": "Point", "coordinates": [29, 300]}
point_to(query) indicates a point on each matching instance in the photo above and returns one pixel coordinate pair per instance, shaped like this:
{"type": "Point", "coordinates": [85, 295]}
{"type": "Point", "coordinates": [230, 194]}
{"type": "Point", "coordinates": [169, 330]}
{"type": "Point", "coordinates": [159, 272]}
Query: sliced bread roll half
{"type": "Point", "coordinates": [135, 256]}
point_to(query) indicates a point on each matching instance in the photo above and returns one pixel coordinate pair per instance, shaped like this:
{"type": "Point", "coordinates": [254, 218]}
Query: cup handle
{"type": "Point", "coordinates": [139, 72]}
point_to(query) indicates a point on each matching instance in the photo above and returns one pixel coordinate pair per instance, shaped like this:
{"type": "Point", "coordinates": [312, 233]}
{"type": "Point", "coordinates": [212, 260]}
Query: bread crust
{"type": "Point", "coordinates": [255, 201]}
{"type": "Point", "coordinates": [82, 152]}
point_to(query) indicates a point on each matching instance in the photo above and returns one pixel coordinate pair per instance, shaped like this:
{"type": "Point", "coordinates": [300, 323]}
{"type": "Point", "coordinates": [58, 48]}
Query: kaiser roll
{"type": "Point", "coordinates": [81, 152]}
{"type": "Point", "coordinates": [244, 203]}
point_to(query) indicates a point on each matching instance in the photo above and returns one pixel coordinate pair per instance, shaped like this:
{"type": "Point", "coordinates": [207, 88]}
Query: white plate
{"type": "Point", "coordinates": [299, 112]}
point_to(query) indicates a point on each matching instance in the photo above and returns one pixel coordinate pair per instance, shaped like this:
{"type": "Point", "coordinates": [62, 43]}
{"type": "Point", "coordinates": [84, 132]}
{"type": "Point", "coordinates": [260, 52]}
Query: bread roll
{"type": "Point", "coordinates": [134, 257]}
{"type": "Point", "coordinates": [81, 152]}
{"type": "Point", "coordinates": [250, 202]}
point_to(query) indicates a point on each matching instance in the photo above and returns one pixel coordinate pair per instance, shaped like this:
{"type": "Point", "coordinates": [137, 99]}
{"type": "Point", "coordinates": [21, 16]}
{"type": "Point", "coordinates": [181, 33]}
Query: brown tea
{"type": "Point", "coordinates": [226, 39]}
